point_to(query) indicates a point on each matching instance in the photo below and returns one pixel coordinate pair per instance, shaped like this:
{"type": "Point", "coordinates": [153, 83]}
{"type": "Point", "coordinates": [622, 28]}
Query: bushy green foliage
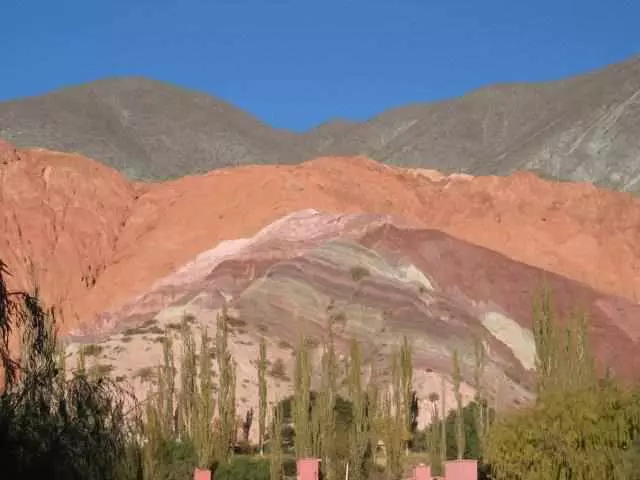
{"type": "Point", "coordinates": [581, 426]}
{"type": "Point", "coordinates": [471, 437]}
{"type": "Point", "coordinates": [245, 468]}
{"type": "Point", "coordinates": [52, 426]}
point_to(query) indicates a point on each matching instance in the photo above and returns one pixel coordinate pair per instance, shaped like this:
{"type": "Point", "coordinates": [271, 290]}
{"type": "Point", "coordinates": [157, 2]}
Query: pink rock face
{"type": "Point", "coordinates": [200, 474]}
{"type": "Point", "coordinates": [308, 469]}
{"type": "Point", "coordinates": [461, 470]}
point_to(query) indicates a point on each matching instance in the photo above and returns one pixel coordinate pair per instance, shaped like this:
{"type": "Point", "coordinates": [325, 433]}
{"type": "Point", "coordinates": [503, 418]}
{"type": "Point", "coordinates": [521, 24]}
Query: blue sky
{"type": "Point", "coordinates": [295, 64]}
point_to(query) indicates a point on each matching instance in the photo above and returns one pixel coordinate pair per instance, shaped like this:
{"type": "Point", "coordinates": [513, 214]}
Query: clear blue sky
{"type": "Point", "coordinates": [298, 63]}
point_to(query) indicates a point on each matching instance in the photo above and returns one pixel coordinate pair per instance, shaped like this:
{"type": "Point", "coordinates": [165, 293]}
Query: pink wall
{"type": "Point", "coordinates": [199, 474]}
{"type": "Point", "coordinates": [453, 470]}
{"type": "Point", "coordinates": [308, 469]}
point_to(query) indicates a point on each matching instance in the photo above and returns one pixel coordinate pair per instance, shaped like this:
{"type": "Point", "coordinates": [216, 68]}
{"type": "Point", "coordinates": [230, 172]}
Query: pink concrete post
{"type": "Point", "coordinates": [308, 468]}
{"type": "Point", "coordinates": [422, 472]}
{"type": "Point", "coordinates": [199, 474]}
{"type": "Point", "coordinates": [461, 470]}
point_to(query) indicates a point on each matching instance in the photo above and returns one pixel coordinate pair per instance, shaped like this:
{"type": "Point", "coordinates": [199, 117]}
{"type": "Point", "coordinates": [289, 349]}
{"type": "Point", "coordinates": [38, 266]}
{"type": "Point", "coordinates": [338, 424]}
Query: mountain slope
{"type": "Point", "coordinates": [144, 128]}
{"type": "Point", "coordinates": [97, 240]}
{"type": "Point", "coordinates": [377, 281]}
{"type": "Point", "coordinates": [582, 128]}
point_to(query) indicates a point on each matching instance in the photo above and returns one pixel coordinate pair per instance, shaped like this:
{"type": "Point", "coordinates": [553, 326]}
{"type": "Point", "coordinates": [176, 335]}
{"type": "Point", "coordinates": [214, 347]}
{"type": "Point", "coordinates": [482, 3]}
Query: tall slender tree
{"type": "Point", "coordinates": [203, 435]}
{"type": "Point", "coordinates": [359, 431]}
{"type": "Point", "coordinates": [275, 444]}
{"type": "Point", "coordinates": [188, 377]}
{"type": "Point", "coordinates": [302, 402]}
{"type": "Point", "coordinates": [481, 412]}
{"type": "Point", "coordinates": [262, 393]}
{"type": "Point", "coordinates": [226, 389]}
{"type": "Point", "coordinates": [394, 424]}
{"type": "Point", "coordinates": [406, 365]}
{"type": "Point", "coordinates": [443, 424]}
{"type": "Point", "coordinates": [457, 381]}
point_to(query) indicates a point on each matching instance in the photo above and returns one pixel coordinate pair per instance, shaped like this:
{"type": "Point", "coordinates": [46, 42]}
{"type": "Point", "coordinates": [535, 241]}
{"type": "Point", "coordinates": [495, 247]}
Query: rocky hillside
{"type": "Point", "coordinates": [444, 260]}
{"type": "Point", "coordinates": [582, 128]}
{"type": "Point", "coordinates": [95, 239]}
{"type": "Point", "coordinates": [377, 281]}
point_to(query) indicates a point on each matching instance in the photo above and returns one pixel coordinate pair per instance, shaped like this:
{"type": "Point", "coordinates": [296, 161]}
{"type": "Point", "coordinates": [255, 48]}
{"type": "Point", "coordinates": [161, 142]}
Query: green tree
{"type": "Point", "coordinates": [226, 390]}
{"type": "Point", "coordinates": [203, 435]}
{"type": "Point", "coordinates": [580, 427]}
{"type": "Point", "coordinates": [275, 444]}
{"type": "Point", "coordinates": [302, 402]}
{"type": "Point", "coordinates": [262, 393]}
{"type": "Point", "coordinates": [406, 365]}
{"type": "Point", "coordinates": [50, 426]}
{"type": "Point", "coordinates": [457, 381]}
{"type": "Point", "coordinates": [359, 438]}
{"type": "Point", "coordinates": [188, 378]}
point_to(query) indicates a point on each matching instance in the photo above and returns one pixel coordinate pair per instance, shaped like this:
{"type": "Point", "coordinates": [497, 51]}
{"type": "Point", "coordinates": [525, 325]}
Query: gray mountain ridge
{"type": "Point", "coordinates": [583, 128]}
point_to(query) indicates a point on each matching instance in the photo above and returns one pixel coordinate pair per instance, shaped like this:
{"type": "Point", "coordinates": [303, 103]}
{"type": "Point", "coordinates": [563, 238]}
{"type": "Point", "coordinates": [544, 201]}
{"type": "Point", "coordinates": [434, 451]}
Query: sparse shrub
{"type": "Point", "coordinates": [279, 370]}
{"type": "Point", "coordinates": [145, 374]}
{"type": "Point", "coordinates": [92, 350]}
{"type": "Point", "coordinates": [100, 370]}
{"type": "Point", "coordinates": [236, 322]}
{"type": "Point", "coordinates": [358, 273]}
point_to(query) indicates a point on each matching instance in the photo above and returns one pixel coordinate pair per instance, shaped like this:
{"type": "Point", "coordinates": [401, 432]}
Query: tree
{"type": "Point", "coordinates": [457, 381]}
{"type": "Point", "coordinates": [188, 376]}
{"type": "Point", "coordinates": [203, 435]}
{"type": "Point", "coordinates": [323, 409]}
{"type": "Point", "coordinates": [406, 365]}
{"type": "Point", "coordinates": [51, 426]}
{"type": "Point", "coordinates": [394, 425]}
{"type": "Point", "coordinates": [302, 405]}
{"type": "Point", "coordinates": [275, 444]}
{"type": "Point", "coordinates": [226, 389]}
{"type": "Point", "coordinates": [359, 438]}
{"type": "Point", "coordinates": [481, 414]}
{"type": "Point", "coordinates": [262, 393]}
{"type": "Point", "coordinates": [580, 426]}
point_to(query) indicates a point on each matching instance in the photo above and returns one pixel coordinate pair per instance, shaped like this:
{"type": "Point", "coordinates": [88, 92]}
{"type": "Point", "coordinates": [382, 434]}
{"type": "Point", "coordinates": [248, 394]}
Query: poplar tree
{"type": "Point", "coordinates": [302, 402]}
{"type": "Point", "coordinates": [168, 379]}
{"type": "Point", "coordinates": [188, 375]}
{"type": "Point", "coordinates": [226, 389]}
{"type": "Point", "coordinates": [324, 414]}
{"type": "Point", "coordinates": [580, 427]}
{"type": "Point", "coordinates": [275, 444]}
{"type": "Point", "coordinates": [262, 393]}
{"type": "Point", "coordinates": [443, 424]}
{"type": "Point", "coordinates": [457, 381]}
{"type": "Point", "coordinates": [203, 435]}
{"type": "Point", "coordinates": [394, 424]}
{"type": "Point", "coordinates": [434, 433]}
{"type": "Point", "coordinates": [406, 365]}
{"type": "Point", "coordinates": [359, 431]}
{"type": "Point", "coordinates": [481, 411]}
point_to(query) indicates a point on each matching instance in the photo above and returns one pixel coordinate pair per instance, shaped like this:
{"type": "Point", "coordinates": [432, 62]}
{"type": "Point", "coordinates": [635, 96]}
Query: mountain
{"type": "Point", "coordinates": [144, 128]}
{"type": "Point", "coordinates": [582, 128]}
{"type": "Point", "coordinates": [386, 251]}
{"type": "Point", "coordinates": [378, 281]}
{"type": "Point", "coordinates": [96, 239]}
